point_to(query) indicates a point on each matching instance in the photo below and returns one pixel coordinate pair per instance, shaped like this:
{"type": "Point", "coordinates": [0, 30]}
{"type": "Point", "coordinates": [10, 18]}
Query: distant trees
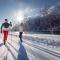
{"type": "Point", "coordinates": [48, 22]}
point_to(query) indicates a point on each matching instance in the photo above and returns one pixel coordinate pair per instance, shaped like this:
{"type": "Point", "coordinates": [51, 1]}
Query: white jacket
{"type": "Point", "coordinates": [20, 28]}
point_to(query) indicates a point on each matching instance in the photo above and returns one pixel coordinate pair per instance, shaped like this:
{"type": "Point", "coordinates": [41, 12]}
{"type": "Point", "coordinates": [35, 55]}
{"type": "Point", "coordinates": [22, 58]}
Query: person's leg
{"type": "Point", "coordinates": [5, 36]}
{"type": "Point", "coordinates": [21, 36]}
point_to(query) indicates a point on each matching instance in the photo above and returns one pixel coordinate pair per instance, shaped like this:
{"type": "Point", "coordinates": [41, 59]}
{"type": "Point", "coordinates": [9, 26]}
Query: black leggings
{"type": "Point", "coordinates": [20, 35]}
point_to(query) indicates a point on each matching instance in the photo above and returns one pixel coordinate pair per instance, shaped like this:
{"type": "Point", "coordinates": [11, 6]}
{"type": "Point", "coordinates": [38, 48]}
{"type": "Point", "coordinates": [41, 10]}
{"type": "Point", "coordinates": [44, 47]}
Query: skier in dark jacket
{"type": "Point", "coordinates": [5, 29]}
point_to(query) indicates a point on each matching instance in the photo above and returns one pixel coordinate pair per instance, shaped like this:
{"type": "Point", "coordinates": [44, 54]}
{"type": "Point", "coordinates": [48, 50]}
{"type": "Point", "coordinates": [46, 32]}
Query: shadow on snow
{"type": "Point", "coordinates": [22, 55]}
{"type": "Point", "coordinates": [1, 44]}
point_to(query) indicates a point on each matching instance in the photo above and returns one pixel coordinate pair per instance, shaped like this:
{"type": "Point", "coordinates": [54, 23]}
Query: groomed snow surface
{"type": "Point", "coordinates": [33, 47]}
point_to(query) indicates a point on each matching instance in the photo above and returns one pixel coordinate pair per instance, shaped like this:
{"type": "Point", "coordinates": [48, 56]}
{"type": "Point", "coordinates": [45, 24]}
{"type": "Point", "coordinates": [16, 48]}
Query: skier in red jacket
{"type": "Point", "coordinates": [5, 29]}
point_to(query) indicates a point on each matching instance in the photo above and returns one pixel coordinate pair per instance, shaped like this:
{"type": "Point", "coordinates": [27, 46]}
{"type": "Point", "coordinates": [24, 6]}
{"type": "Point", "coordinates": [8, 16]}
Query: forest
{"type": "Point", "coordinates": [49, 22]}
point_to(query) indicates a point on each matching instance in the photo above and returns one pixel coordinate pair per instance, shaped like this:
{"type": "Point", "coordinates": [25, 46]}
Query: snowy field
{"type": "Point", "coordinates": [46, 40]}
{"type": "Point", "coordinates": [34, 47]}
{"type": "Point", "coordinates": [49, 40]}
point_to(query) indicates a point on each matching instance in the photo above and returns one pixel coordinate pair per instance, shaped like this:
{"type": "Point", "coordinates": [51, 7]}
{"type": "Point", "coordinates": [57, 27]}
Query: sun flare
{"type": "Point", "coordinates": [19, 16]}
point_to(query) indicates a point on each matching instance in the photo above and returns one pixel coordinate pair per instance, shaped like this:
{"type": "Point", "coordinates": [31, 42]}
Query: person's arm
{"type": "Point", "coordinates": [1, 27]}
{"type": "Point", "coordinates": [10, 24]}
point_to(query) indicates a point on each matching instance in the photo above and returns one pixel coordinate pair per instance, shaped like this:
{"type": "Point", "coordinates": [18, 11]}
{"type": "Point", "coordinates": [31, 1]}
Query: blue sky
{"type": "Point", "coordinates": [10, 7]}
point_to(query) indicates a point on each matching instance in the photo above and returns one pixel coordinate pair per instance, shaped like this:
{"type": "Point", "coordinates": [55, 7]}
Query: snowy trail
{"type": "Point", "coordinates": [14, 50]}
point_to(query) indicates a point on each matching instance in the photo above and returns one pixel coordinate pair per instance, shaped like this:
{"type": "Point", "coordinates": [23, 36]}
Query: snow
{"type": "Point", "coordinates": [49, 41]}
{"type": "Point", "coordinates": [14, 50]}
{"type": "Point", "coordinates": [45, 36]}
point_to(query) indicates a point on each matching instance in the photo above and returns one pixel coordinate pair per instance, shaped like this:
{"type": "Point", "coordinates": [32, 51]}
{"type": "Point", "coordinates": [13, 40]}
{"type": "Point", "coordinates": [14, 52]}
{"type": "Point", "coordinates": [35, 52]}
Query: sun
{"type": "Point", "coordinates": [20, 16]}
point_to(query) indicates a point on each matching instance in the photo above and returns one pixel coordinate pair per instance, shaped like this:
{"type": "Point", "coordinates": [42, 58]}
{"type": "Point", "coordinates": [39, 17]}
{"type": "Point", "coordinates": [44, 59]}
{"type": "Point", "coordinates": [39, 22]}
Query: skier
{"type": "Point", "coordinates": [5, 29]}
{"type": "Point", "coordinates": [20, 31]}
